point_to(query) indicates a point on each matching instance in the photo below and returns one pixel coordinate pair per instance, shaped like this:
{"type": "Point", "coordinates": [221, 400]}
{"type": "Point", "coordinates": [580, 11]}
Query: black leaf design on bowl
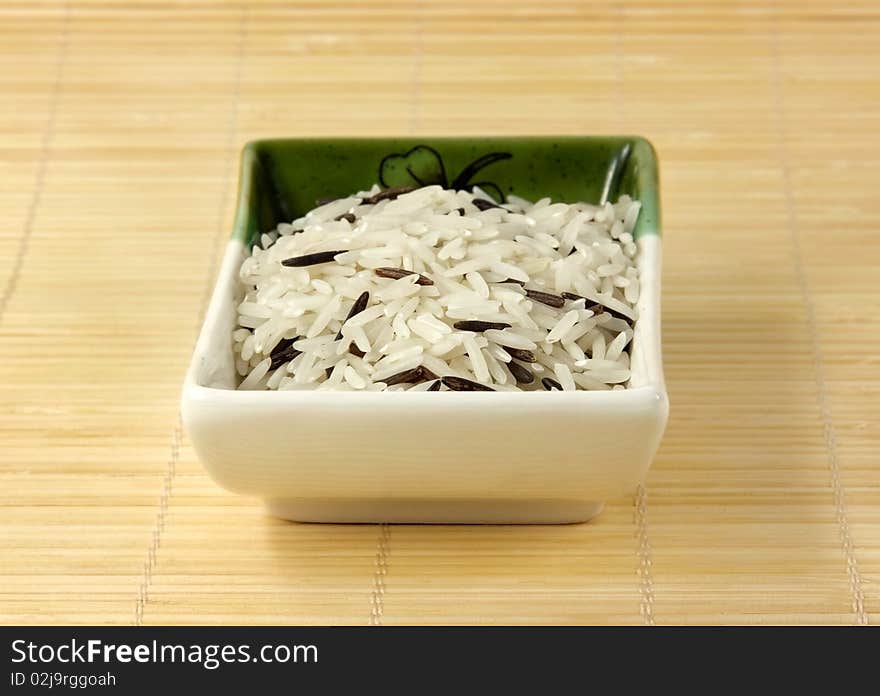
{"type": "Point", "coordinates": [463, 180]}
{"type": "Point", "coordinates": [422, 165]}
{"type": "Point", "coordinates": [419, 166]}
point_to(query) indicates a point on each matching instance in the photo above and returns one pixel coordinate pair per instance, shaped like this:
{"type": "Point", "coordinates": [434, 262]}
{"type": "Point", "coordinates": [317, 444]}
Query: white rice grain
{"type": "Point", "coordinates": [563, 374]}
{"type": "Point", "coordinates": [508, 337]}
{"type": "Point", "coordinates": [567, 322]}
{"type": "Point", "coordinates": [256, 375]}
{"type": "Point", "coordinates": [478, 362]}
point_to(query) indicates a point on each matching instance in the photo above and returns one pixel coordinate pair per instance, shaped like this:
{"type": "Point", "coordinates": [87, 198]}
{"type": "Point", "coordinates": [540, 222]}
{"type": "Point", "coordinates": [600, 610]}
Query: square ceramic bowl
{"type": "Point", "coordinates": [450, 457]}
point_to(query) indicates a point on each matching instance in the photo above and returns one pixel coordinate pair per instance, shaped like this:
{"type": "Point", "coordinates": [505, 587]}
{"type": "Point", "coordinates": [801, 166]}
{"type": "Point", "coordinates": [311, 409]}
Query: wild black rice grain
{"type": "Point", "coordinates": [283, 356]}
{"type": "Point", "coordinates": [521, 354]}
{"type": "Point", "coordinates": [521, 374]}
{"type": "Point", "coordinates": [388, 194]}
{"type": "Point", "coordinates": [435, 386]}
{"type": "Point", "coordinates": [427, 374]}
{"type": "Point", "coordinates": [551, 384]}
{"type": "Point", "coordinates": [311, 259]}
{"type": "Point", "coordinates": [360, 304]}
{"type": "Point", "coordinates": [483, 204]}
{"type": "Point", "coordinates": [473, 325]}
{"type": "Point", "coordinates": [462, 384]}
{"type": "Point", "coordinates": [414, 376]}
{"type": "Point", "coordinates": [283, 344]}
{"type": "Point", "coordinates": [406, 377]}
{"type": "Point", "coordinates": [598, 307]}
{"type": "Point", "coordinates": [546, 298]}
{"type": "Point", "coordinates": [396, 273]}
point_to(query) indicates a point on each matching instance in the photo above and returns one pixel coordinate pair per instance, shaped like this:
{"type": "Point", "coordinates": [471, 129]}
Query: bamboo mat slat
{"type": "Point", "coordinates": [118, 156]}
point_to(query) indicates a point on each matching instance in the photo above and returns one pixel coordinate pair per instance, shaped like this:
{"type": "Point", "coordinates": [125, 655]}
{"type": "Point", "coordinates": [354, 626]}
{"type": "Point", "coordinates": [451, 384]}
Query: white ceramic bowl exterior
{"type": "Point", "coordinates": [446, 457]}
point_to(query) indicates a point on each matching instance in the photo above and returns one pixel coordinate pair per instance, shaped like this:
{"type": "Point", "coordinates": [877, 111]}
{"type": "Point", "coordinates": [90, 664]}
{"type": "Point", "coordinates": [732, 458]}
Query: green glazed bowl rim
{"type": "Point", "coordinates": [640, 175]}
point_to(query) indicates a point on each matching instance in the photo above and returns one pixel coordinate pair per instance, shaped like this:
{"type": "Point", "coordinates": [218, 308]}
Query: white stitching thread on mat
{"type": "Point", "coordinates": [828, 430]}
{"type": "Point", "coordinates": [644, 556]}
{"type": "Point", "coordinates": [177, 431]}
{"type": "Point", "coordinates": [42, 162]}
{"type": "Point", "coordinates": [643, 552]}
{"type": "Point", "coordinates": [377, 598]}
{"type": "Point", "coordinates": [383, 541]}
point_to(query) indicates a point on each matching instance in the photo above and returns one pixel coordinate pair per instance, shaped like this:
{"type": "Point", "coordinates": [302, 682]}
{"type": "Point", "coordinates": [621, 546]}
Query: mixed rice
{"type": "Point", "coordinates": [433, 289]}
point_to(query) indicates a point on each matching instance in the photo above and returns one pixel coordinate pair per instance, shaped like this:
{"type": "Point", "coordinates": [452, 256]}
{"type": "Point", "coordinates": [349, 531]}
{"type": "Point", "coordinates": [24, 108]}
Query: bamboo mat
{"type": "Point", "coordinates": [119, 137]}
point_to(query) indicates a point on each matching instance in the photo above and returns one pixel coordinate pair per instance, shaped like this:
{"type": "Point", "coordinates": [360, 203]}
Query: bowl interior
{"type": "Point", "coordinates": [283, 179]}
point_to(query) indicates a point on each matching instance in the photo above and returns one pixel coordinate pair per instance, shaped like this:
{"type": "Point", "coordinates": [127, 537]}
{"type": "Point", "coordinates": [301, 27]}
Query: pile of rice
{"type": "Point", "coordinates": [435, 289]}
